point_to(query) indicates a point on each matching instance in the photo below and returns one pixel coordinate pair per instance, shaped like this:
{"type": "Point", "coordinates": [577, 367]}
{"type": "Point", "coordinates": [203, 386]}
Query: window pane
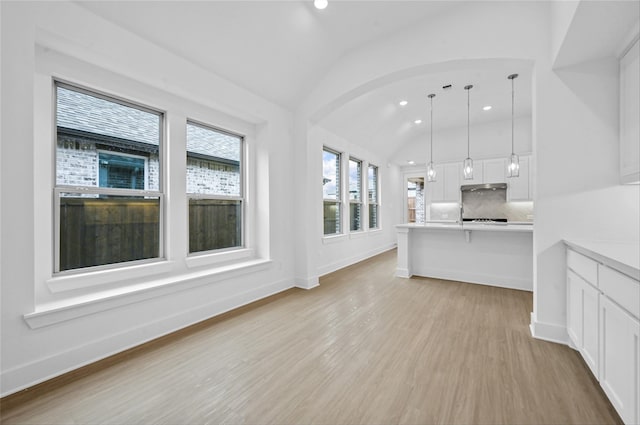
{"type": "Point", "coordinates": [373, 216]}
{"type": "Point", "coordinates": [213, 162]}
{"type": "Point", "coordinates": [331, 217]}
{"type": "Point", "coordinates": [355, 180]}
{"type": "Point", "coordinates": [373, 184]}
{"type": "Point", "coordinates": [88, 125]}
{"type": "Point", "coordinates": [100, 229]}
{"type": "Point", "coordinates": [355, 212]}
{"type": "Point", "coordinates": [214, 224]}
{"type": "Point", "coordinates": [330, 175]}
{"type": "Point", "coordinates": [125, 172]}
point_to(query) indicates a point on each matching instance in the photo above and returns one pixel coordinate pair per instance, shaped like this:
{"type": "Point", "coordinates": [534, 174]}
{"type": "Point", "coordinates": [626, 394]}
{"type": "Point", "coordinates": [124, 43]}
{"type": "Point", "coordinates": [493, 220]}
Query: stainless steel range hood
{"type": "Point", "coordinates": [486, 186]}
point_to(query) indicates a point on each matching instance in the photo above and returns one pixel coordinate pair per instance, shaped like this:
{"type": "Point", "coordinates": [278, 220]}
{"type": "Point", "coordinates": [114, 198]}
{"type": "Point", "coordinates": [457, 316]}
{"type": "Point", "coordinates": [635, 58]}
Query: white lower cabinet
{"type": "Point", "coordinates": [620, 359]}
{"type": "Point", "coordinates": [582, 319]}
{"type": "Point", "coordinates": [603, 325]}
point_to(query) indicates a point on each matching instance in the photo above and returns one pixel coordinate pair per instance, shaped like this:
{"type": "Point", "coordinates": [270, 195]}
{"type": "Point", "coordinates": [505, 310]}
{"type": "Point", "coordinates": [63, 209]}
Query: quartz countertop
{"type": "Point", "coordinates": [452, 225]}
{"type": "Point", "coordinates": [622, 256]}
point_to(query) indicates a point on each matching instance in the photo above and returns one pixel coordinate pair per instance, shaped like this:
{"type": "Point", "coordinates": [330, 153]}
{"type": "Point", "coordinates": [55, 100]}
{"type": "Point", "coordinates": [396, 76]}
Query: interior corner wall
{"type": "Point", "coordinates": [578, 190]}
{"type": "Point", "coordinates": [30, 356]}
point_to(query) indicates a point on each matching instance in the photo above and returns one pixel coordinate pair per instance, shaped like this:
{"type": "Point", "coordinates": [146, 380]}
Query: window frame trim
{"type": "Point", "coordinates": [360, 190]}
{"type": "Point", "coordinates": [57, 189]}
{"type": "Point", "coordinates": [211, 253]}
{"type": "Point", "coordinates": [338, 199]}
{"type": "Point", "coordinates": [377, 202]}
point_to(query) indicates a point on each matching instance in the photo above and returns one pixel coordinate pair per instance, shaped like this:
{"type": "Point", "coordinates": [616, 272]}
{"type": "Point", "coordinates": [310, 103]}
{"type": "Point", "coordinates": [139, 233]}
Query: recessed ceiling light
{"type": "Point", "coordinates": [411, 162]}
{"type": "Point", "coordinates": [403, 103]}
{"type": "Point", "coordinates": [320, 4]}
{"type": "Point", "coordinates": [486, 108]}
{"type": "Point", "coordinates": [418, 121]}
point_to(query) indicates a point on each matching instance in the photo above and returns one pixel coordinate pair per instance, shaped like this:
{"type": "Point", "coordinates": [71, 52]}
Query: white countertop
{"type": "Point", "coordinates": [622, 256]}
{"type": "Point", "coordinates": [468, 226]}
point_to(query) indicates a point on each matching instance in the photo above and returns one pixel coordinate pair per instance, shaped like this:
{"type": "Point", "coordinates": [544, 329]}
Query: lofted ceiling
{"type": "Point", "coordinates": [377, 118]}
{"type": "Point", "coordinates": [276, 49]}
{"type": "Point", "coordinates": [281, 50]}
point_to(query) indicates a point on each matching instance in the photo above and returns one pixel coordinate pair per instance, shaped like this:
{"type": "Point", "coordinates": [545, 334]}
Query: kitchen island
{"type": "Point", "coordinates": [488, 254]}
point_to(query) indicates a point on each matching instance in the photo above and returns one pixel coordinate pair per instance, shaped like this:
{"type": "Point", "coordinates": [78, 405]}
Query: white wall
{"type": "Point", "coordinates": [574, 126]}
{"type": "Point", "coordinates": [85, 42]}
{"type": "Point", "coordinates": [578, 190]}
{"type": "Point", "coordinates": [334, 252]}
{"type": "Point", "coordinates": [419, 49]}
{"type": "Point", "coordinates": [488, 140]}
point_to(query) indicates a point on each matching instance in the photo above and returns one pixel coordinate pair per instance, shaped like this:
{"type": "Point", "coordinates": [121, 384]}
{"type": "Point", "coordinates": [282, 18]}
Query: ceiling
{"type": "Point", "coordinates": [281, 49]}
{"type": "Point", "coordinates": [377, 118]}
{"type": "Point", "coordinates": [277, 49]}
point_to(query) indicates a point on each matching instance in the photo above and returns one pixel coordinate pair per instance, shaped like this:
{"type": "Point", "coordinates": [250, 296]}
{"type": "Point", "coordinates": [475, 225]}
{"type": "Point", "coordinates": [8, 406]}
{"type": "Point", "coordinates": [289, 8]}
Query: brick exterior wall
{"type": "Point", "coordinates": [204, 176]}
{"type": "Point", "coordinates": [77, 165]}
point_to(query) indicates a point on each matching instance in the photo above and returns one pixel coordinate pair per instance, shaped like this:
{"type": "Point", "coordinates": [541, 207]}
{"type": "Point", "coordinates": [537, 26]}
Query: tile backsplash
{"type": "Point", "coordinates": [484, 204]}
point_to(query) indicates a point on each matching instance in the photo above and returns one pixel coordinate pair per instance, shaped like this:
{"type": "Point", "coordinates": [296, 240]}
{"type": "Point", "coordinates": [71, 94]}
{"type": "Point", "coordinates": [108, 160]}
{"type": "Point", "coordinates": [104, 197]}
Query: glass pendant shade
{"type": "Point", "coordinates": [431, 172]}
{"type": "Point", "coordinates": [513, 168]}
{"type": "Point", "coordinates": [467, 169]}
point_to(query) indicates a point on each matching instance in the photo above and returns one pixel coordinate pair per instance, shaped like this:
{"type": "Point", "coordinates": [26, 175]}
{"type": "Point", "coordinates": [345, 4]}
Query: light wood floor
{"type": "Point", "coordinates": [363, 348]}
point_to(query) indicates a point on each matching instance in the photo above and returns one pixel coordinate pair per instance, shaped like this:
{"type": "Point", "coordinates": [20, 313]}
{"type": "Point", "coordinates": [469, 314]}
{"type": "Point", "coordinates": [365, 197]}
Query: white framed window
{"type": "Point", "coordinates": [331, 191]}
{"type": "Point", "coordinates": [108, 204]}
{"type": "Point", "coordinates": [355, 195]}
{"type": "Point", "coordinates": [215, 188]}
{"type": "Point", "coordinates": [373, 189]}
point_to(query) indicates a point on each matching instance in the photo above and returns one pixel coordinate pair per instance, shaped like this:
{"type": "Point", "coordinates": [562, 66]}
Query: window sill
{"type": "Point", "coordinates": [212, 258]}
{"type": "Point", "coordinates": [50, 314]}
{"type": "Point", "coordinates": [69, 282]}
{"type": "Point", "coordinates": [333, 239]}
{"type": "Point", "coordinates": [375, 232]}
{"type": "Point", "coordinates": [358, 234]}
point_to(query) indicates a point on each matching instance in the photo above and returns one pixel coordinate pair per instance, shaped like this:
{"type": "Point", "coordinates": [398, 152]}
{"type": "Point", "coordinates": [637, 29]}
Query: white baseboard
{"type": "Point", "coordinates": [548, 331]}
{"type": "Point", "coordinates": [33, 373]}
{"type": "Point", "coordinates": [307, 283]}
{"type": "Point", "coordinates": [403, 273]}
{"type": "Point", "coordinates": [345, 262]}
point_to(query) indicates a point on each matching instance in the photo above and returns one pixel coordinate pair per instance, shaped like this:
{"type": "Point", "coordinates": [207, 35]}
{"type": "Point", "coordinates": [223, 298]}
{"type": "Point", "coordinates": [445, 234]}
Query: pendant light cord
{"type": "Point", "coordinates": [431, 96]}
{"type": "Point", "coordinates": [512, 102]}
{"type": "Point", "coordinates": [467, 88]}
{"type": "Point", "coordinates": [512, 77]}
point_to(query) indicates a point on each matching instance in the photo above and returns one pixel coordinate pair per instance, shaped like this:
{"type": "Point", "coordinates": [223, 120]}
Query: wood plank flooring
{"type": "Point", "coordinates": [363, 348]}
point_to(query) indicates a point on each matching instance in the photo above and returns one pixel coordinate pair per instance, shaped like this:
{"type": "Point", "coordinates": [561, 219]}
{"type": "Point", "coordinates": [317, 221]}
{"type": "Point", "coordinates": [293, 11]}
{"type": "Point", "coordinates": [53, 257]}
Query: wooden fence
{"type": "Point", "coordinates": [214, 224]}
{"type": "Point", "coordinates": [98, 231]}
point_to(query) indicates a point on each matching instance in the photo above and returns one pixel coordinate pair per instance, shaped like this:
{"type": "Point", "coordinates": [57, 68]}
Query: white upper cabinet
{"type": "Point", "coordinates": [452, 177]}
{"type": "Point", "coordinates": [446, 188]}
{"type": "Point", "coordinates": [630, 116]}
{"type": "Point", "coordinates": [519, 188]}
{"type": "Point", "coordinates": [436, 188]}
{"type": "Point", "coordinates": [494, 170]}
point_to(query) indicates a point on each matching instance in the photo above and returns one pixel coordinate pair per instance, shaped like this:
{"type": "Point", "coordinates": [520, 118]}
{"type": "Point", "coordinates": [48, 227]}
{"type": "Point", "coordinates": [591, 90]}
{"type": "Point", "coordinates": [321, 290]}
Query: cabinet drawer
{"type": "Point", "coordinates": [620, 288]}
{"type": "Point", "coordinates": [583, 266]}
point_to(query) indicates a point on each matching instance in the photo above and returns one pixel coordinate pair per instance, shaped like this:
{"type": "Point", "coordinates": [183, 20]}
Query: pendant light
{"type": "Point", "coordinates": [467, 165]}
{"type": "Point", "coordinates": [431, 171]}
{"type": "Point", "coordinates": [513, 164]}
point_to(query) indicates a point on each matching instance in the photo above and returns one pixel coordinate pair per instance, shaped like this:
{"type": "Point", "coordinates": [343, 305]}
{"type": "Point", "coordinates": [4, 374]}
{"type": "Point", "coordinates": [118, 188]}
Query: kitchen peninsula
{"type": "Point", "coordinates": [488, 254]}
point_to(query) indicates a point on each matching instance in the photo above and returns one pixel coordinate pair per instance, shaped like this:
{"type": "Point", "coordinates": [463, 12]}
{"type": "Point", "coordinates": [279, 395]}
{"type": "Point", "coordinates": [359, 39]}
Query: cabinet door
{"type": "Point", "coordinates": [620, 359]}
{"type": "Point", "coordinates": [582, 319]}
{"type": "Point", "coordinates": [494, 170]}
{"type": "Point", "coordinates": [518, 187]}
{"type": "Point", "coordinates": [452, 174]}
{"type": "Point", "coordinates": [630, 115]}
{"type": "Point", "coordinates": [590, 327]}
{"type": "Point", "coordinates": [436, 188]}
{"type": "Point", "coordinates": [574, 309]}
